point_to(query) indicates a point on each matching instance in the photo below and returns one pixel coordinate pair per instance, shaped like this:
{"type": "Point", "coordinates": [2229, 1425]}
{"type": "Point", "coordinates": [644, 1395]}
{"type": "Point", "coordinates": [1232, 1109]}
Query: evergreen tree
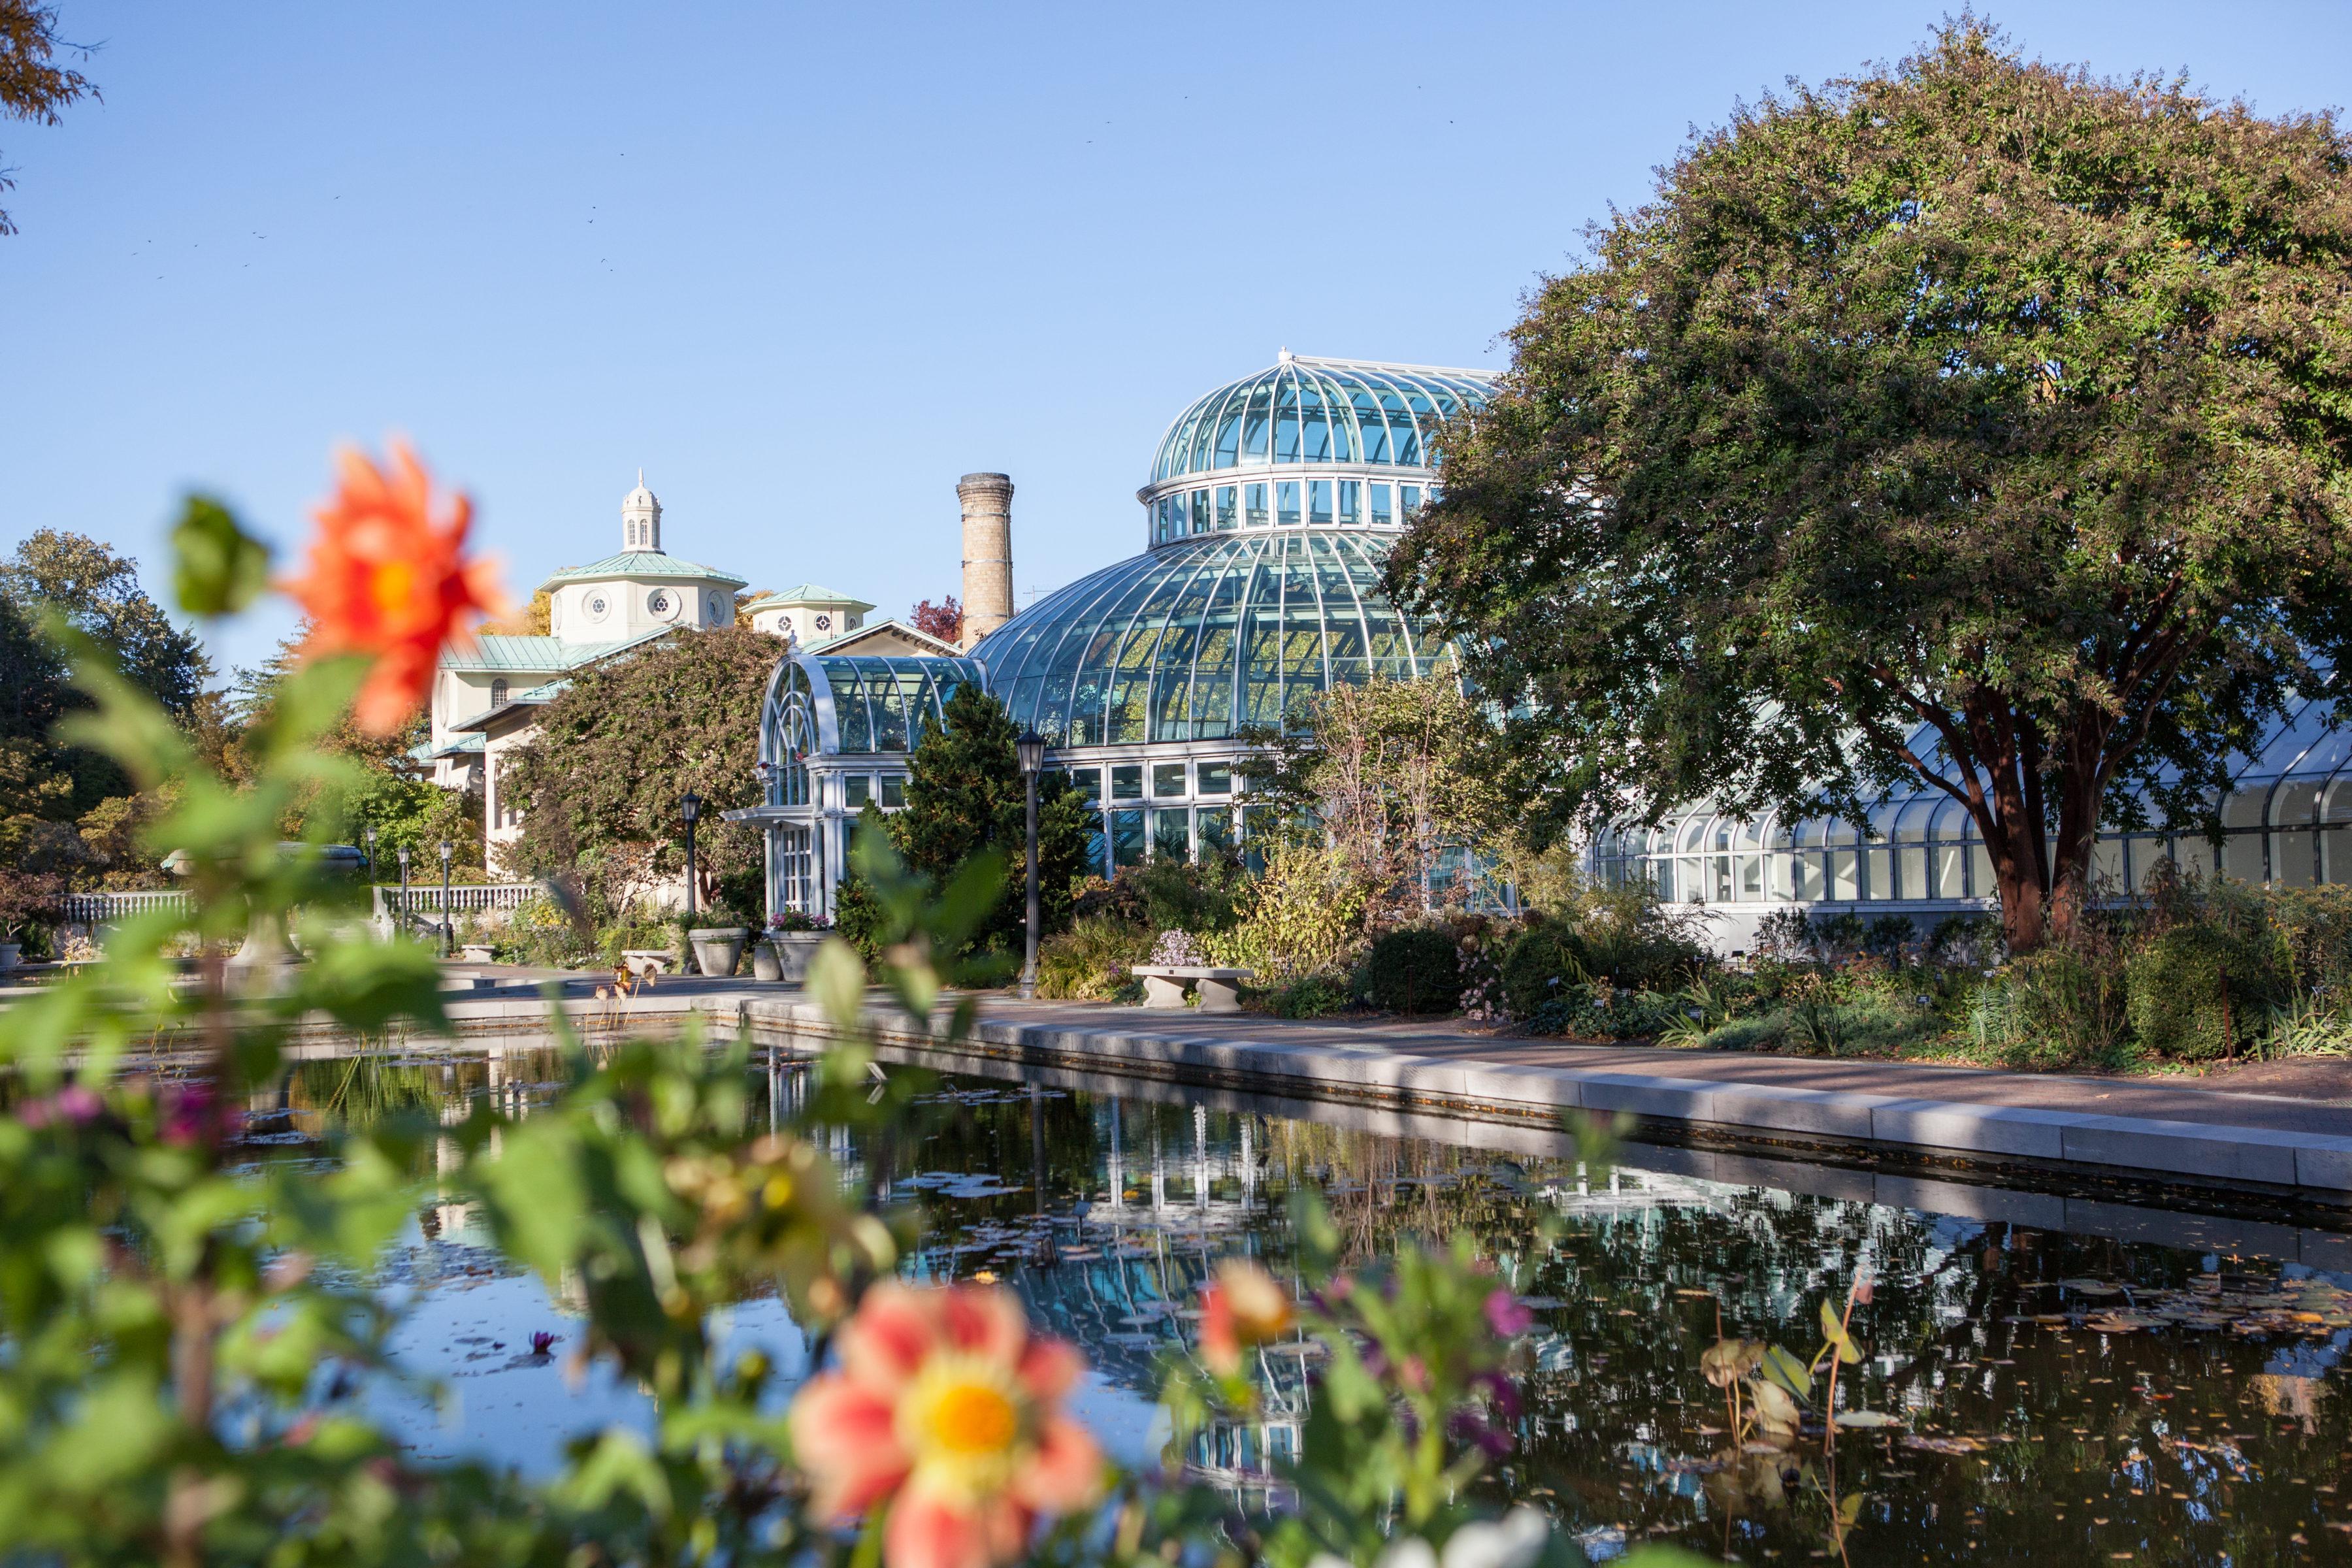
{"type": "Point", "coordinates": [964, 794]}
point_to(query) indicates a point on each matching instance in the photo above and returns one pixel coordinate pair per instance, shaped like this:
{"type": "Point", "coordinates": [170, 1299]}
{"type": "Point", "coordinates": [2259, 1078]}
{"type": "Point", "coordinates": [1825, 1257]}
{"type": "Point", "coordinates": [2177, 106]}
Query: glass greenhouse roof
{"type": "Point", "coordinates": [1194, 639]}
{"type": "Point", "coordinates": [1318, 411]}
{"type": "Point", "coordinates": [871, 703]}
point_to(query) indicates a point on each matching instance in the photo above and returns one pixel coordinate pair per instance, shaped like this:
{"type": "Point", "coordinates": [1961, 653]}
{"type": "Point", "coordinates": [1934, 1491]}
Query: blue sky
{"type": "Point", "coordinates": [809, 264]}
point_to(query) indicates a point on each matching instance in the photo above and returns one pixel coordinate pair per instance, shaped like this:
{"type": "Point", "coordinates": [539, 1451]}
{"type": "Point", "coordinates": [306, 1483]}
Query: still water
{"type": "Point", "coordinates": [2074, 1379]}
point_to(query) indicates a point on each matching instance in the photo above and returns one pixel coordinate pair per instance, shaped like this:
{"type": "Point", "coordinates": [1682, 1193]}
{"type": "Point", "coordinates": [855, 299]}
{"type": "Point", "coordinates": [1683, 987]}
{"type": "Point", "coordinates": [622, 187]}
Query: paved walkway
{"type": "Point", "coordinates": [2285, 1131]}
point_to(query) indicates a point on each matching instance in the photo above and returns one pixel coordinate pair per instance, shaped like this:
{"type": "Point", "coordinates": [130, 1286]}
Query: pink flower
{"type": "Point", "coordinates": [1244, 1307]}
{"type": "Point", "coordinates": [190, 1114]}
{"type": "Point", "coordinates": [1508, 1315]}
{"type": "Point", "coordinates": [947, 1410]}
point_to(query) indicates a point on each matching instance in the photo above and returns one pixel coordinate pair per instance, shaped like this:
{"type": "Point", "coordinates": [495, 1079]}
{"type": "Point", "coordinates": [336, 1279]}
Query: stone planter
{"type": "Point", "coordinates": [477, 952]}
{"type": "Point", "coordinates": [765, 965]}
{"type": "Point", "coordinates": [793, 949]}
{"type": "Point", "coordinates": [10, 952]}
{"type": "Point", "coordinates": [717, 949]}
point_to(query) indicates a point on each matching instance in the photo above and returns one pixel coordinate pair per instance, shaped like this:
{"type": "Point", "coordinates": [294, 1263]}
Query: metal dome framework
{"type": "Point", "coordinates": [834, 733]}
{"type": "Point", "coordinates": [1308, 443]}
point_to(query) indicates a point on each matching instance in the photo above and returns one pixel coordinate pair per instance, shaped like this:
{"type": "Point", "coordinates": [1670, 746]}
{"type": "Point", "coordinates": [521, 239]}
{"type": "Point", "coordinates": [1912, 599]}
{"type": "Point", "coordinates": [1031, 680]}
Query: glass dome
{"type": "Point", "coordinates": [1318, 411]}
{"type": "Point", "coordinates": [1190, 641]}
{"type": "Point", "coordinates": [1314, 443]}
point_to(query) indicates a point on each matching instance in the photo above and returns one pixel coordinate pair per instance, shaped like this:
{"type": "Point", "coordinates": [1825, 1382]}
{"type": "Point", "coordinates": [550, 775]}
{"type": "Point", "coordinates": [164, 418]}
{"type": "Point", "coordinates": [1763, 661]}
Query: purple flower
{"type": "Point", "coordinates": [73, 1105]}
{"type": "Point", "coordinates": [1507, 1315]}
{"type": "Point", "coordinates": [189, 1115]}
{"type": "Point", "coordinates": [541, 1340]}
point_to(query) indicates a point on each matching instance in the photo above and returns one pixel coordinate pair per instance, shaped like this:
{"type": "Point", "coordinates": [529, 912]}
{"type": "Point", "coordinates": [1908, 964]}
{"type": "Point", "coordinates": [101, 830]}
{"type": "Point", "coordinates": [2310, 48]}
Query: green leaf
{"type": "Point", "coordinates": [1786, 1372]}
{"type": "Point", "coordinates": [218, 568]}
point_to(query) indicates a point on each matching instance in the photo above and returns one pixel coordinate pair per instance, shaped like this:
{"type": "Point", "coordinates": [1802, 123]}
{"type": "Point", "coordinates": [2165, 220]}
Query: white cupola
{"type": "Point", "coordinates": [640, 517]}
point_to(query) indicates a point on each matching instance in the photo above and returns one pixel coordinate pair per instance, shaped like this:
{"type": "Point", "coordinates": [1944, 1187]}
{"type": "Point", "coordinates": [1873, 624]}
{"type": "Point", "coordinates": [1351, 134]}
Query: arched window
{"type": "Point", "coordinates": [498, 692]}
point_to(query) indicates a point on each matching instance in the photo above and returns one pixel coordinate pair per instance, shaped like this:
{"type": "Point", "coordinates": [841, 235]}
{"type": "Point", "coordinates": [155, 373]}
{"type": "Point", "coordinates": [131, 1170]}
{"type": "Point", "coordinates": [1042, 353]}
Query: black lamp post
{"type": "Point", "coordinates": [1031, 748]}
{"type": "Point", "coordinates": [402, 923]}
{"type": "Point", "coordinates": [691, 809]}
{"type": "Point", "coordinates": [448, 926]}
{"type": "Point", "coordinates": [371, 852]}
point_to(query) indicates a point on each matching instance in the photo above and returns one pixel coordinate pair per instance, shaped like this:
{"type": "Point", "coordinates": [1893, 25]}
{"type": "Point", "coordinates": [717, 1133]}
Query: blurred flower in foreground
{"type": "Point", "coordinates": [1243, 1307]}
{"type": "Point", "coordinates": [388, 581]}
{"type": "Point", "coordinates": [1514, 1541]}
{"type": "Point", "coordinates": [946, 1408]}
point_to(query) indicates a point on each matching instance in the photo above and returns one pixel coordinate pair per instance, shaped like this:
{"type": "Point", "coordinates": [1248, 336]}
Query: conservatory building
{"type": "Point", "coordinates": [2287, 819]}
{"type": "Point", "coordinates": [1268, 513]}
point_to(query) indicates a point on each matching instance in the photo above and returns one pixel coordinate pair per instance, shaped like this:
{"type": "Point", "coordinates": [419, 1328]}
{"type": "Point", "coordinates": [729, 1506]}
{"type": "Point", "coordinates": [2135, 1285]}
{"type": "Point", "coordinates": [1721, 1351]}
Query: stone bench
{"type": "Point", "coordinates": [1163, 985]}
{"type": "Point", "coordinates": [643, 962]}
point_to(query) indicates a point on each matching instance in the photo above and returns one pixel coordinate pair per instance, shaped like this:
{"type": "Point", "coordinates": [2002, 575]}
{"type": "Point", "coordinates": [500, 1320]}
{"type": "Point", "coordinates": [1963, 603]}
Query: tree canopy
{"type": "Point", "coordinates": [965, 796]}
{"type": "Point", "coordinates": [1976, 421]}
{"type": "Point", "coordinates": [599, 785]}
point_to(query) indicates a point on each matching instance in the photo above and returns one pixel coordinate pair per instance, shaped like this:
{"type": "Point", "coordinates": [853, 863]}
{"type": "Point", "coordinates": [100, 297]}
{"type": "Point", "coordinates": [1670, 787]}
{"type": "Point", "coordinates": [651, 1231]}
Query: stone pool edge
{"type": "Point", "coordinates": [2308, 1165]}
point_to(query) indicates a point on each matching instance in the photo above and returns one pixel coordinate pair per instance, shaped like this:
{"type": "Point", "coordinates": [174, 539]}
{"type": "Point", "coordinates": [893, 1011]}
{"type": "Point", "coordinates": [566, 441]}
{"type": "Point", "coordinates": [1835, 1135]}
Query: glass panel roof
{"type": "Point", "coordinates": [1189, 641]}
{"type": "Point", "coordinates": [1318, 411]}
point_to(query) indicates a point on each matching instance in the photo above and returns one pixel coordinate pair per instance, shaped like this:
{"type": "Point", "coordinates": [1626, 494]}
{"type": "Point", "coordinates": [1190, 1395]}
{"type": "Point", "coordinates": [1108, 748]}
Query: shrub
{"type": "Point", "coordinates": [1636, 941]}
{"type": "Point", "coordinates": [1784, 936]}
{"type": "Point", "coordinates": [1413, 969]}
{"type": "Point", "coordinates": [2196, 993]}
{"type": "Point", "coordinates": [1310, 997]}
{"type": "Point", "coordinates": [1543, 962]}
{"type": "Point", "coordinates": [1089, 961]}
{"type": "Point", "coordinates": [1202, 897]}
{"type": "Point", "coordinates": [1305, 913]}
{"type": "Point", "coordinates": [1971, 941]}
{"type": "Point", "coordinates": [1840, 936]}
{"type": "Point", "coordinates": [2054, 1008]}
{"type": "Point", "coordinates": [1888, 936]}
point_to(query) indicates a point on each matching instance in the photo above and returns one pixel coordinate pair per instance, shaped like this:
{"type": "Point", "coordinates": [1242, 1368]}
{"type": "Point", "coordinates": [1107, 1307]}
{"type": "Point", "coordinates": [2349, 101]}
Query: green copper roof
{"type": "Point", "coordinates": [643, 564]}
{"type": "Point", "coordinates": [493, 654]}
{"type": "Point", "coordinates": [811, 594]}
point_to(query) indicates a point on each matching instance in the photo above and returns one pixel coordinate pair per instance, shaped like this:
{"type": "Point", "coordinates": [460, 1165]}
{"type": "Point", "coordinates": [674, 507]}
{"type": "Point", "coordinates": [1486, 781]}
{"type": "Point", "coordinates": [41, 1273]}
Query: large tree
{"type": "Point", "coordinates": [1977, 421]}
{"type": "Point", "coordinates": [965, 795]}
{"type": "Point", "coordinates": [599, 785]}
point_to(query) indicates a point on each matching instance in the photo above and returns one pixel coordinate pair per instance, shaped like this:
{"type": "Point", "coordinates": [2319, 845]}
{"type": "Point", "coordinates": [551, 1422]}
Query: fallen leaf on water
{"type": "Point", "coordinates": [1866, 1418]}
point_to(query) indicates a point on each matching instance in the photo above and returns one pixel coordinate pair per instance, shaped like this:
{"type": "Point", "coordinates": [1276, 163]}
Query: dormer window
{"type": "Point", "coordinates": [498, 693]}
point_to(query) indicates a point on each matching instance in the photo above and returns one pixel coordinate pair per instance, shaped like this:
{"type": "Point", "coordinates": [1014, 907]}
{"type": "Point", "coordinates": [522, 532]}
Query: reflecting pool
{"type": "Point", "coordinates": [2065, 1379]}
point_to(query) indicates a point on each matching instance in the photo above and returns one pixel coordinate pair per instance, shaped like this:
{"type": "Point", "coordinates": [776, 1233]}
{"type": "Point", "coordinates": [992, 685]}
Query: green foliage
{"type": "Point", "coordinates": [2197, 993]}
{"type": "Point", "coordinates": [1413, 969]}
{"type": "Point", "coordinates": [219, 568]}
{"type": "Point", "coordinates": [1089, 961]}
{"type": "Point", "coordinates": [618, 749]}
{"type": "Point", "coordinates": [1386, 771]}
{"type": "Point", "coordinates": [1315, 995]}
{"type": "Point", "coordinates": [966, 797]}
{"type": "Point", "coordinates": [1545, 959]}
{"type": "Point", "coordinates": [1202, 897]}
{"type": "Point", "coordinates": [1305, 916]}
{"type": "Point", "coordinates": [1975, 393]}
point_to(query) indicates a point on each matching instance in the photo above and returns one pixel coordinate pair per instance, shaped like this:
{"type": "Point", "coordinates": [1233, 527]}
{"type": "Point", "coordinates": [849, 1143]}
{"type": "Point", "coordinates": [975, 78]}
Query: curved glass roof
{"type": "Point", "coordinates": [1193, 640]}
{"type": "Point", "coordinates": [864, 704]}
{"type": "Point", "coordinates": [1318, 411]}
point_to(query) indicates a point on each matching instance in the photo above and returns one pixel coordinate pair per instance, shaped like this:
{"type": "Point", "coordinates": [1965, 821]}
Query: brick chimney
{"type": "Point", "coordinates": [987, 502]}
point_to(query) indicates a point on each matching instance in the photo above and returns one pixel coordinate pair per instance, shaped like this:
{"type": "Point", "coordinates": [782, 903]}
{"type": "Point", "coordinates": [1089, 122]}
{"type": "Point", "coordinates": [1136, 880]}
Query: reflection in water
{"type": "Point", "coordinates": [2059, 1397]}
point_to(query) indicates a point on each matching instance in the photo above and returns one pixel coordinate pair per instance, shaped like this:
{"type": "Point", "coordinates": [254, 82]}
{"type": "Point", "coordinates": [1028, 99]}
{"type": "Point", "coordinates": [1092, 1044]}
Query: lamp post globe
{"type": "Point", "coordinates": [1029, 748]}
{"type": "Point", "coordinates": [370, 853]}
{"type": "Point", "coordinates": [403, 921]}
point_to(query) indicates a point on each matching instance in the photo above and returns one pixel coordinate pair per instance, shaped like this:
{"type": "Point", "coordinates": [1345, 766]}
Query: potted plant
{"type": "Point", "coordinates": [26, 898]}
{"type": "Point", "coordinates": [717, 949]}
{"type": "Point", "coordinates": [792, 939]}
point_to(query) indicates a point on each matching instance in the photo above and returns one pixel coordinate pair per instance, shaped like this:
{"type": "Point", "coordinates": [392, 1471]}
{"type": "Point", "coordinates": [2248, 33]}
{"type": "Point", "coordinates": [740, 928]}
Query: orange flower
{"type": "Point", "coordinates": [1243, 1307]}
{"type": "Point", "coordinates": [388, 581]}
{"type": "Point", "coordinates": [948, 1410]}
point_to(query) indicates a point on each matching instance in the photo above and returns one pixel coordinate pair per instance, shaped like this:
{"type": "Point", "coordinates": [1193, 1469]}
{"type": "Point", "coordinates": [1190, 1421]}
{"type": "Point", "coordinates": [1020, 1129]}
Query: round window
{"type": "Point", "coordinates": [598, 606]}
{"type": "Point", "coordinates": [718, 610]}
{"type": "Point", "coordinates": [785, 625]}
{"type": "Point", "coordinates": [658, 603]}
{"type": "Point", "coordinates": [825, 623]}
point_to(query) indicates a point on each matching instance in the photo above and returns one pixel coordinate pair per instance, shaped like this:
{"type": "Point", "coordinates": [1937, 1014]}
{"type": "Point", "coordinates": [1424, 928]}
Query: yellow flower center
{"type": "Point", "coordinates": [391, 585]}
{"type": "Point", "coordinates": [970, 1419]}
